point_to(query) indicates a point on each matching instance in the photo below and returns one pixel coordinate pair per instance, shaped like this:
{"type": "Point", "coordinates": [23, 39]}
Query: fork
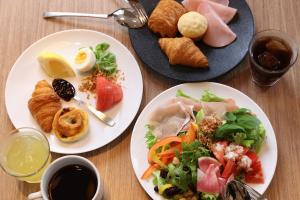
{"type": "Point", "coordinates": [139, 9]}
{"type": "Point", "coordinates": [236, 188]}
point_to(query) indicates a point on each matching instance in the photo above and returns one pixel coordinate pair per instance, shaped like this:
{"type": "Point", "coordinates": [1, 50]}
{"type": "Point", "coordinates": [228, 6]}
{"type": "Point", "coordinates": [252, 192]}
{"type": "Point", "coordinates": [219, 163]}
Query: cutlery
{"type": "Point", "coordinates": [237, 190]}
{"type": "Point", "coordinates": [124, 16]}
{"type": "Point", "coordinates": [66, 91]}
{"type": "Point", "coordinates": [140, 10]}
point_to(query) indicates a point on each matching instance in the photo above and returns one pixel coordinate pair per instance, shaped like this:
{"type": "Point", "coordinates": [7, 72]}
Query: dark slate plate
{"type": "Point", "coordinates": [221, 60]}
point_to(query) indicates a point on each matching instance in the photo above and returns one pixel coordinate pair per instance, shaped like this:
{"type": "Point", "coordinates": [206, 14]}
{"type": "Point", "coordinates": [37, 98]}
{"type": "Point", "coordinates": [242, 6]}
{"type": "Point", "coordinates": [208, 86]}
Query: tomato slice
{"type": "Point", "coordinates": [256, 174]}
{"type": "Point", "coordinates": [229, 169]}
{"type": "Point", "coordinates": [218, 150]}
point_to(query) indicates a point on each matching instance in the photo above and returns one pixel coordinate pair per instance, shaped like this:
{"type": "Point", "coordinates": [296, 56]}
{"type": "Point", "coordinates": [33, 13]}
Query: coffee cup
{"type": "Point", "coordinates": [64, 168]}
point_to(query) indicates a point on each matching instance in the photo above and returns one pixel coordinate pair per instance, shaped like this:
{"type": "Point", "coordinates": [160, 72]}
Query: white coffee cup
{"type": "Point", "coordinates": [57, 165]}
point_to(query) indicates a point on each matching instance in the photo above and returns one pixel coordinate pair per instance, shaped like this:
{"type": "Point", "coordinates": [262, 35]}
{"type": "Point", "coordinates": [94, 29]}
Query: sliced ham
{"type": "Point", "coordinates": [224, 12]}
{"type": "Point", "coordinates": [208, 181]}
{"type": "Point", "coordinates": [218, 34]}
{"type": "Point", "coordinates": [223, 2]}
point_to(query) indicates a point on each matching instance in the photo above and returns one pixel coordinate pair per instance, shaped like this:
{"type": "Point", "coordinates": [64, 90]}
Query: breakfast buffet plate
{"type": "Point", "coordinates": [139, 150]}
{"type": "Point", "coordinates": [221, 60]}
{"type": "Point", "coordinates": [26, 72]}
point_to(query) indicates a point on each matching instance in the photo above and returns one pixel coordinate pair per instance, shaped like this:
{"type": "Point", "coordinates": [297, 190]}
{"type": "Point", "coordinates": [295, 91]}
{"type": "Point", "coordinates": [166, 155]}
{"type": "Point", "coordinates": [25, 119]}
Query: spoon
{"type": "Point", "coordinates": [66, 91]}
{"type": "Point", "coordinates": [124, 16]}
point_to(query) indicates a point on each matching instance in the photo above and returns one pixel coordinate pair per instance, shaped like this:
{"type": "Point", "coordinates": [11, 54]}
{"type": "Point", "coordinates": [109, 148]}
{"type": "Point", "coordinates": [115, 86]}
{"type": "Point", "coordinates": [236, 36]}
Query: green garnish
{"type": "Point", "coordinates": [210, 97]}
{"type": "Point", "coordinates": [105, 60]}
{"type": "Point", "coordinates": [242, 128]}
{"type": "Point", "coordinates": [180, 93]}
{"type": "Point", "coordinates": [184, 174]}
{"type": "Point", "coordinates": [150, 137]}
{"type": "Point", "coordinates": [206, 196]}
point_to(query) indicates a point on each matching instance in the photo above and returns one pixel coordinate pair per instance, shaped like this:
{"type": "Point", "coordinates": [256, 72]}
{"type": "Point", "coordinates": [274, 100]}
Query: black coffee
{"type": "Point", "coordinates": [75, 182]}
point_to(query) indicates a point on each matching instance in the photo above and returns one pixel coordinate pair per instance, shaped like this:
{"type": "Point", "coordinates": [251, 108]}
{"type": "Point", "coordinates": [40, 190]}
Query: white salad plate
{"type": "Point", "coordinates": [139, 151]}
{"type": "Point", "coordinates": [26, 72]}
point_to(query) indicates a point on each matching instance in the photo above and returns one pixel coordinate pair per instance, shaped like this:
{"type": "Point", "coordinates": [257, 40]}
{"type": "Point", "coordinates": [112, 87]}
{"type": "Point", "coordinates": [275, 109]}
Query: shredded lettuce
{"type": "Point", "coordinates": [199, 116]}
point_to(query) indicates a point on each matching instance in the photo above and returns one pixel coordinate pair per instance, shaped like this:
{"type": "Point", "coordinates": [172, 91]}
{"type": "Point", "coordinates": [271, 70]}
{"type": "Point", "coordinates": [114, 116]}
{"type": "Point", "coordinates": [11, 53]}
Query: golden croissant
{"type": "Point", "coordinates": [43, 105]}
{"type": "Point", "coordinates": [164, 18]}
{"type": "Point", "coordinates": [183, 51]}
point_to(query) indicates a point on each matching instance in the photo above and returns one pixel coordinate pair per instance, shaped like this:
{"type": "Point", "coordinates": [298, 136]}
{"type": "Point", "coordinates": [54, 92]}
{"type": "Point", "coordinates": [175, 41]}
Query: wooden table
{"type": "Point", "coordinates": [22, 24]}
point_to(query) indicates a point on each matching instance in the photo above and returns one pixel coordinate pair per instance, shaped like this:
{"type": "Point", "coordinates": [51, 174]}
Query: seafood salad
{"type": "Point", "coordinates": [197, 145]}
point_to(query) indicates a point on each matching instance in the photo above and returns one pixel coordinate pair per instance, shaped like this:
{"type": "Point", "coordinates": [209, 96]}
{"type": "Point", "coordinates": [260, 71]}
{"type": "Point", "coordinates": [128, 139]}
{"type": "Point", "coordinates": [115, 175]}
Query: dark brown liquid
{"type": "Point", "coordinates": [75, 182]}
{"type": "Point", "coordinates": [272, 54]}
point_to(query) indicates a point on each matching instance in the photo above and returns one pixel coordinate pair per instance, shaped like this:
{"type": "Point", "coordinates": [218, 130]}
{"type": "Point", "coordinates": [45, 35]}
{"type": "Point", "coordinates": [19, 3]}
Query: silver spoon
{"type": "Point", "coordinates": [66, 91]}
{"type": "Point", "coordinates": [124, 16]}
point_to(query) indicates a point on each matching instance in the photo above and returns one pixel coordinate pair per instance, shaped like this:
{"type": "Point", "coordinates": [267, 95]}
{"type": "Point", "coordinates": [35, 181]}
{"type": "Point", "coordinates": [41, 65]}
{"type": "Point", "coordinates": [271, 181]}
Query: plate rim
{"type": "Point", "coordinates": [182, 80]}
{"type": "Point", "coordinates": [200, 83]}
{"type": "Point", "coordinates": [127, 122]}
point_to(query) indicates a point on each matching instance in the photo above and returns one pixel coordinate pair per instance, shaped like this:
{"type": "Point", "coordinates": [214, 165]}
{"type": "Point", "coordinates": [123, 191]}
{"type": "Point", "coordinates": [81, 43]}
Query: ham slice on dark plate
{"type": "Point", "coordinates": [223, 2]}
{"type": "Point", "coordinates": [224, 12]}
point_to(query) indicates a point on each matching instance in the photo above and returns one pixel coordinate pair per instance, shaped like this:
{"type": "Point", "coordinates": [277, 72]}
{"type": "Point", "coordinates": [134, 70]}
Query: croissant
{"type": "Point", "coordinates": [183, 51]}
{"type": "Point", "coordinates": [43, 105]}
{"type": "Point", "coordinates": [164, 18]}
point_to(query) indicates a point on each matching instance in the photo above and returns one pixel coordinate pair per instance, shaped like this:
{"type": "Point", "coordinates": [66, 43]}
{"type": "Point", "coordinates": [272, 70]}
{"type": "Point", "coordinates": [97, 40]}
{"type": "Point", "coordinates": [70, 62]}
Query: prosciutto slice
{"type": "Point", "coordinates": [208, 181]}
{"type": "Point", "coordinates": [175, 114]}
{"type": "Point", "coordinates": [218, 34]}
{"type": "Point", "coordinates": [208, 176]}
{"type": "Point", "coordinates": [224, 12]}
{"type": "Point", "coordinates": [169, 119]}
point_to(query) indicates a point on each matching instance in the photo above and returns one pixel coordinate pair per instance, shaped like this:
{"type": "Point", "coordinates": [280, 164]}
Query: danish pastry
{"type": "Point", "coordinates": [70, 124]}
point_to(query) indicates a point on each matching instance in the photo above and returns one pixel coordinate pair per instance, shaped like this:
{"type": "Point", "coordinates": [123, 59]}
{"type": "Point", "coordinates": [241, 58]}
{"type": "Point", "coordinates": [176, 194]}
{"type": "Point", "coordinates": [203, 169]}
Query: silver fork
{"type": "Point", "coordinates": [139, 9]}
{"type": "Point", "coordinates": [238, 190]}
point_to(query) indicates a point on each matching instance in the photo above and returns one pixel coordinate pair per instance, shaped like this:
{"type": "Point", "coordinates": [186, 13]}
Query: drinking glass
{"type": "Point", "coordinates": [25, 154]}
{"type": "Point", "coordinates": [262, 75]}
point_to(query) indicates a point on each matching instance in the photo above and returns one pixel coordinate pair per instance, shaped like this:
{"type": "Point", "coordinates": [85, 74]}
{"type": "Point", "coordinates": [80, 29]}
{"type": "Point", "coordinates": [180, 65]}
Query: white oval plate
{"type": "Point", "coordinates": [138, 149]}
{"type": "Point", "coordinates": [26, 72]}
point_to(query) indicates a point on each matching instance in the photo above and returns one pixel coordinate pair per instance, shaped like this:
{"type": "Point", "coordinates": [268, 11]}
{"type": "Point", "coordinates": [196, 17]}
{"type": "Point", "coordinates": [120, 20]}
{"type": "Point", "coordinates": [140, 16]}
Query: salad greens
{"type": "Point", "coordinates": [207, 96]}
{"type": "Point", "coordinates": [180, 93]}
{"type": "Point", "coordinates": [150, 137]}
{"type": "Point", "coordinates": [206, 196]}
{"type": "Point", "coordinates": [184, 174]}
{"type": "Point", "coordinates": [105, 60]}
{"type": "Point", "coordinates": [241, 127]}
{"type": "Point", "coordinates": [210, 97]}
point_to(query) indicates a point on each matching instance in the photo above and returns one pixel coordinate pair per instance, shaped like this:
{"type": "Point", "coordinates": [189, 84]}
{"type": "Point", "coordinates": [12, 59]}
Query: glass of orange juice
{"type": "Point", "coordinates": [25, 154]}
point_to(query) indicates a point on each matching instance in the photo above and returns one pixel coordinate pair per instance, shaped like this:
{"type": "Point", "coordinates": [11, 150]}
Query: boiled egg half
{"type": "Point", "coordinates": [85, 59]}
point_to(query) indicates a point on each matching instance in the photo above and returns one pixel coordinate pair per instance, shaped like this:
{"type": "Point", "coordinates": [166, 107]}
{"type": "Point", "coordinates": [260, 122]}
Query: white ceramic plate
{"type": "Point", "coordinates": [139, 150]}
{"type": "Point", "coordinates": [26, 72]}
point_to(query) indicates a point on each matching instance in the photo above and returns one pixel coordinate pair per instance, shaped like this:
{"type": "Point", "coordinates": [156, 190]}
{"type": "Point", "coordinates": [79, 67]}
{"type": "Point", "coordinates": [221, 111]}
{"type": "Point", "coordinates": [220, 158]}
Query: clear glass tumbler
{"type": "Point", "coordinates": [271, 53]}
{"type": "Point", "coordinates": [25, 154]}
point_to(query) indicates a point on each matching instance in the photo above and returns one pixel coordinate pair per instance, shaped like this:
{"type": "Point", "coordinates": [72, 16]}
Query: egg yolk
{"type": "Point", "coordinates": [80, 57]}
